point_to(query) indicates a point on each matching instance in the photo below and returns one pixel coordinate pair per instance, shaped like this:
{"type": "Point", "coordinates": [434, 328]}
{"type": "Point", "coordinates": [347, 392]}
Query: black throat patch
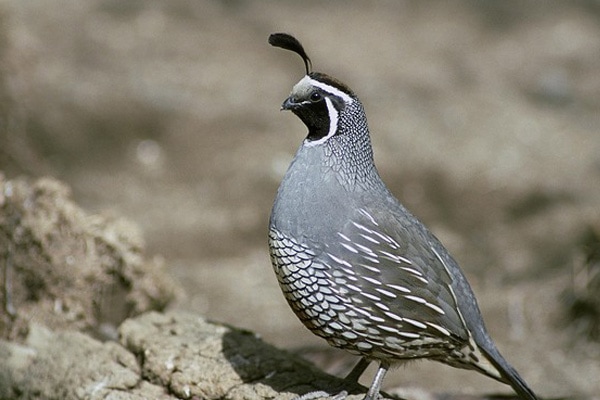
{"type": "Point", "coordinates": [316, 118]}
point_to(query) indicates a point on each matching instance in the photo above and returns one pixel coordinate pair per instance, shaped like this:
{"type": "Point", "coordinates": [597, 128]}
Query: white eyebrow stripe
{"type": "Point", "coordinates": [331, 90]}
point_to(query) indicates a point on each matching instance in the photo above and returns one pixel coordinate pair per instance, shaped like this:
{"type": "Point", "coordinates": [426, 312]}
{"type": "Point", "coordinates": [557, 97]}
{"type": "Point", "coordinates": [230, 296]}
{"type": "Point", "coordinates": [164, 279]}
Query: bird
{"type": "Point", "coordinates": [357, 268]}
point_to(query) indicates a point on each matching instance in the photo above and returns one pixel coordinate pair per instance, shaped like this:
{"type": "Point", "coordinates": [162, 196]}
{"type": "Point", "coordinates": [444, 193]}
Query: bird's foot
{"type": "Point", "coordinates": [351, 380]}
{"type": "Point", "coordinates": [321, 394]}
{"type": "Point", "coordinates": [318, 394]}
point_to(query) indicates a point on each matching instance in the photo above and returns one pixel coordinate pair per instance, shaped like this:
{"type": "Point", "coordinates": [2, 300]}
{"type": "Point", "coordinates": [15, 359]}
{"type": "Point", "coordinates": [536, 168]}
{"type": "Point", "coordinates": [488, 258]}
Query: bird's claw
{"type": "Point", "coordinates": [317, 394]}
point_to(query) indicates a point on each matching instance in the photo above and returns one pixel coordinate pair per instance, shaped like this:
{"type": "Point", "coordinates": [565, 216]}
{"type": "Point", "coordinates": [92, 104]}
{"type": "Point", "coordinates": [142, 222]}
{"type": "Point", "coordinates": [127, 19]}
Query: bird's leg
{"type": "Point", "coordinates": [352, 377]}
{"type": "Point", "coordinates": [358, 370]}
{"type": "Point", "coordinates": [8, 304]}
{"type": "Point", "coordinates": [373, 393]}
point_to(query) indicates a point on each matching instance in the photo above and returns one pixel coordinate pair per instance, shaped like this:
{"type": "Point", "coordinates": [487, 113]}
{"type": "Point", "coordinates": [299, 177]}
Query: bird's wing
{"type": "Point", "coordinates": [392, 269]}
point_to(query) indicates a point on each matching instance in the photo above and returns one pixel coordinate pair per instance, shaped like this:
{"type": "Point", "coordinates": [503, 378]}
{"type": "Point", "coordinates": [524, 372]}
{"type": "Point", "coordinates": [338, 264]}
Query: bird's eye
{"type": "Point", "coordinates": [316, 96]}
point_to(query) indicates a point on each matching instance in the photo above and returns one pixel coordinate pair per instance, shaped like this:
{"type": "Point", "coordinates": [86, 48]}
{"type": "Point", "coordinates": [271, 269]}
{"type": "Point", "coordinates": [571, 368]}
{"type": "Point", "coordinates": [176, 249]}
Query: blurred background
{"type": "Point", "coordinates": [485, 119]}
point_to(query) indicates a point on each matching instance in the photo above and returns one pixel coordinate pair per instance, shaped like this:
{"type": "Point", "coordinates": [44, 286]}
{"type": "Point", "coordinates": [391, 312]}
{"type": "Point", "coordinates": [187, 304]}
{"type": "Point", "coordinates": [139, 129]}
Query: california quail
{"type": "Point", "coordinates": [357, 268]}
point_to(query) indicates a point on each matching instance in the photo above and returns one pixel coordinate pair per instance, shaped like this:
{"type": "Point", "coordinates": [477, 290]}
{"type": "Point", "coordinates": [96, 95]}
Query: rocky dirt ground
{"type": "Point", "coordinates": [485, 119]}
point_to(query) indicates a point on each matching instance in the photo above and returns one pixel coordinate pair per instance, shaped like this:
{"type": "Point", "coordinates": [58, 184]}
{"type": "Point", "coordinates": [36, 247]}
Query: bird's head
{"type": "Point", "coordinates": [326, 106]}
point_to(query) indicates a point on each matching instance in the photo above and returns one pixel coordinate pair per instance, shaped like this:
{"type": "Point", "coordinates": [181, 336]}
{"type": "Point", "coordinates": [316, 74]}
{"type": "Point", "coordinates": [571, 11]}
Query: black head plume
{"type": "Point", "coordinates": [288, 42]}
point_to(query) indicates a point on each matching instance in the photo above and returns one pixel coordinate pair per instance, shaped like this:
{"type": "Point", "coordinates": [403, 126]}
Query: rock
{"type": "Point", "coordinates": [66, 269]}
{"type": "Point", "coordinates": [160, 356]}
{"type": "Point", "coordinates": [195, 358]}
{"type": "Point", "coordinates": [71, 365]}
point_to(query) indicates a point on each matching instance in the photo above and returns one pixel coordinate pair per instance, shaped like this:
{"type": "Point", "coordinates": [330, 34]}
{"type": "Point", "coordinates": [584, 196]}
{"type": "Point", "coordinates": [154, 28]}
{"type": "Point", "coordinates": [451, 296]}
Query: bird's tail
{"type": "Point", "coordinates": [508, 374]}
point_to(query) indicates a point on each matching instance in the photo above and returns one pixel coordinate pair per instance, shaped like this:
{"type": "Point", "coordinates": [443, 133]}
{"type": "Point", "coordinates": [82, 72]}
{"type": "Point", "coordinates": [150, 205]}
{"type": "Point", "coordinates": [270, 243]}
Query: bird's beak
{"type": "Point", "coordinates": [290, 104]}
